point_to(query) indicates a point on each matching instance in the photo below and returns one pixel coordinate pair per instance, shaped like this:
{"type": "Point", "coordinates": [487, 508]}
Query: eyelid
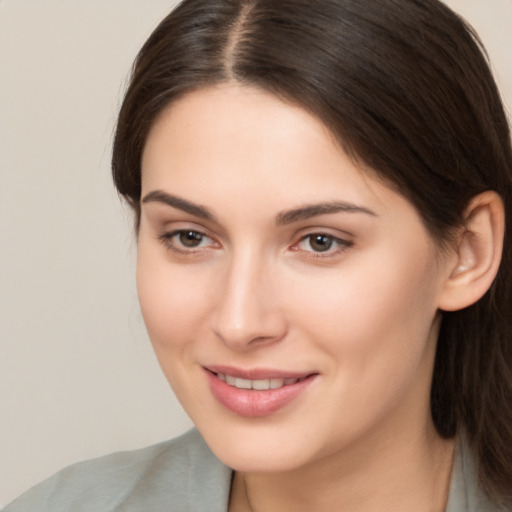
{"type": "Point", "coordinates": [343, 243]}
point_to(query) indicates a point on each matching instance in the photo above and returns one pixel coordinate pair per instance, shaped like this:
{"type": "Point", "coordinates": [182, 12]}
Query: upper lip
{"type": "Point", "coordinates": [258, 373]}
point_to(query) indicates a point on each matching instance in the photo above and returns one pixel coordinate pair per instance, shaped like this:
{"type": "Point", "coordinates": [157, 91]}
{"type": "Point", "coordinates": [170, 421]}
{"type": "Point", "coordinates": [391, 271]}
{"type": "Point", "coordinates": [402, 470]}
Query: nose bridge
{"type": "Point", "coordinates": [245, 312]}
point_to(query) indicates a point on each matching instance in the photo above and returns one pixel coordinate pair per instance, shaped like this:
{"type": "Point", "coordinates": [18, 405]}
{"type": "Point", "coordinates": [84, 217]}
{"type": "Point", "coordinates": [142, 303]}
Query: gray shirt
{"type": "Point", "coordinates": [181, 475]}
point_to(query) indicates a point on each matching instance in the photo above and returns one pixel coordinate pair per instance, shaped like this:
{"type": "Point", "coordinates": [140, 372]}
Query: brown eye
{"type": "Point", "coordinates": [321, 243]}
{"type": "Point", "coordinates": [190, 239]}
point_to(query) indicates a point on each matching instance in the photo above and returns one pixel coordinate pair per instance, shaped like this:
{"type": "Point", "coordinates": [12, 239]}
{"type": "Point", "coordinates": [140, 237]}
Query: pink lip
{"type": "Point", "coordinates": [252, 403]}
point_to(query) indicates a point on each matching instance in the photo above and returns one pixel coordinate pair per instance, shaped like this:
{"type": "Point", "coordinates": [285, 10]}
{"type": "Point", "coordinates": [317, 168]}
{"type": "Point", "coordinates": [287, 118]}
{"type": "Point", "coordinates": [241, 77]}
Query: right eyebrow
{"type": "Point", "coordinates": [159, 196]}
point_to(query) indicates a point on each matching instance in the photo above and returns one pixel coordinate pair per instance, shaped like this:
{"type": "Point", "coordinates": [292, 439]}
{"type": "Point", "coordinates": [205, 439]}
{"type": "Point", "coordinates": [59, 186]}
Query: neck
{"type": "Point", "coordinates": [409, 473]}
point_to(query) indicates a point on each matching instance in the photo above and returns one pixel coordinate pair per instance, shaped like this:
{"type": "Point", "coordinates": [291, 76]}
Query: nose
{"type": "Point", "coordinates": [248, 314]}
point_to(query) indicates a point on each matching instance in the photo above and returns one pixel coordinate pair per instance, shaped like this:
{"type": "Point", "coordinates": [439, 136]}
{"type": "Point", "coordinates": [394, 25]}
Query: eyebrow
{"type": "Point", "coordinates": [159, 196]}
{"type": "Point", "coordinates": [313, 210]}
{"type": "Point", "coordinates": [285, 217]}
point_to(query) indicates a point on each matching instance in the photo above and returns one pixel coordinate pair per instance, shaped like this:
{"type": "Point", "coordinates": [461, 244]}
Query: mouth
{"type": "Point", "coordinates": [256, 393]}
{"type": "Point", "coordinates": [258, 384]}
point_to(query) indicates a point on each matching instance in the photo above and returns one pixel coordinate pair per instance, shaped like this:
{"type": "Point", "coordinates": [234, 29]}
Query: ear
{"type": "Point", "coordinates": [478, 253]}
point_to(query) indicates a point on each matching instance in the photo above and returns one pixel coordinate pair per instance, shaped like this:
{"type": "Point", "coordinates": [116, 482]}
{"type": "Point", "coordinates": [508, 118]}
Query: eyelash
{"type": "Point", "coordinates": [167, 239]}
{"type": "Point", "coordinates": [341, 245]}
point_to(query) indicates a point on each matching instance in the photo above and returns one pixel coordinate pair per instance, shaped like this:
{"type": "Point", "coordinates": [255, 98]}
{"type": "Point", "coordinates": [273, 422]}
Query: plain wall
{"type": "Point", "coordinates": [77, 374]}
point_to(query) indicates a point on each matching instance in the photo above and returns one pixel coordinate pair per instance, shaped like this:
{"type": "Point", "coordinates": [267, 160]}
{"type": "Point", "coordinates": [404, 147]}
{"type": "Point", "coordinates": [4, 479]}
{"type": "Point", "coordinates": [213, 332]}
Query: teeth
{"type": "Point", "coordinates": [276, 383]}
{"type": "Point", "coordinates": [259, 384]}
{"type": "Point", "coordinates": [242, 383]}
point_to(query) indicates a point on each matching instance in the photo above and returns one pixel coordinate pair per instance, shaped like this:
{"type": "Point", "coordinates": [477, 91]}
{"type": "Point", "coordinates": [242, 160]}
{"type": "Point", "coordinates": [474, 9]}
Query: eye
{"type": "Point", "coordinates": [190, 238]}
{"type": "Point", "coordinates": [186, 240]}
{"type": "Point", "coordinates": [322, 243]}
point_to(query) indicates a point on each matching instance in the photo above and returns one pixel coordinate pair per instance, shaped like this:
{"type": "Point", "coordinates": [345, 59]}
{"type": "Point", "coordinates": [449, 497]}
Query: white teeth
{"type": "Point", "coordinates": [258, 384]}
{"type": "Point", "coordinates": [261, 384]}
{"type": "Point", "coordinates": [276, 383]}
{"type": "Point", "coordinates": [242, 383]}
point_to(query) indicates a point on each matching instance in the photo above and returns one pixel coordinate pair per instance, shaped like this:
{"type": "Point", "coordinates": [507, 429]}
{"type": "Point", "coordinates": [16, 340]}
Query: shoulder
{"type": "Point", "coordinates": [181, 474]}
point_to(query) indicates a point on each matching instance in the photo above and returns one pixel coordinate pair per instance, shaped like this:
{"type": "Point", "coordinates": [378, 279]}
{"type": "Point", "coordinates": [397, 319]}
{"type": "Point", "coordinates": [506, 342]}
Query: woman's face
{"type": "Point", "coordinates": [268, 260]}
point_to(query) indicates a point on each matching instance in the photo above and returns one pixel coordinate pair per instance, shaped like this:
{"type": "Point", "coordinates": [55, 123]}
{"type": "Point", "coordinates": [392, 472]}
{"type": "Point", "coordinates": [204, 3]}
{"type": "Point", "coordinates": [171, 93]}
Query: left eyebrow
{"type": "Point", "coordinates": [312, 210]}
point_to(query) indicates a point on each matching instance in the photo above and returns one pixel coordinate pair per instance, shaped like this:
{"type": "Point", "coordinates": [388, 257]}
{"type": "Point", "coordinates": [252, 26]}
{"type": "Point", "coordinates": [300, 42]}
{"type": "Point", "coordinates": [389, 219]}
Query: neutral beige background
{"type": "Point", "coordinates": [77, 376]}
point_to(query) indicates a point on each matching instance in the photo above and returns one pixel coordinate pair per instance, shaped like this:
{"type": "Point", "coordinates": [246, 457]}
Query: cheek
{"type": "Point", "coordinates": [172, 301]}
{"type": "Point", "coordinates": [352, 303]}
{"type": "Point", "coordinates": [376, 331]}
{"type": "Point", "coordinates": [373, 320]}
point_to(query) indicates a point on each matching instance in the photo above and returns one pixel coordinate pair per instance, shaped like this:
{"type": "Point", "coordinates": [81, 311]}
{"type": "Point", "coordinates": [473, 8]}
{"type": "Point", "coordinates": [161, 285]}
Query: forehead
{"type": "Point", "coordinates": [238, 136]}
{"type": "Point", "coordinates": [211, 115]}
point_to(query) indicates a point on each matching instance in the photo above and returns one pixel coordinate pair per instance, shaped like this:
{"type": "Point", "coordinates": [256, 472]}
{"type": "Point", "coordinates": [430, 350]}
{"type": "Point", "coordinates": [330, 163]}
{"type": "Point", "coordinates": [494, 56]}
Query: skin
{"type": "Point", "coordinates": [363, 316]}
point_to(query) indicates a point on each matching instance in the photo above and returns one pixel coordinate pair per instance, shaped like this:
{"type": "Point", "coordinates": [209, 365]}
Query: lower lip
{"type": "Point", "coordinates": [253, 403]}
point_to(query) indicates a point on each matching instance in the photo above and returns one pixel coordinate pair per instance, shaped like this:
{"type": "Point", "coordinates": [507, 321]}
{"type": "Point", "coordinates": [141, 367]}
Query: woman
{"type": "Point", "coordinates": [322, 194]}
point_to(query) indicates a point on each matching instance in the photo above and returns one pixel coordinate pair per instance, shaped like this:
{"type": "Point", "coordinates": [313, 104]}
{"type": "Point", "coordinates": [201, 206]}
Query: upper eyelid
{"type": "Point", "coordinates": [184, 223]}
{"type": "Point", "coordinates": [174, 232]}
{"type": "Point", "coordinates": [328, 235]}
{"type": "Point", "coordinates": [342, 241]}
{"type": "Point", "coordinates": [174, 227]}
{"type": "Point", "coordinates": [327, 231]}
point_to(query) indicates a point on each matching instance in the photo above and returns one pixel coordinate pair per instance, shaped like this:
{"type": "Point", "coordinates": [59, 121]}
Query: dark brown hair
{"type": "Point", "coordinates": [405, 87]}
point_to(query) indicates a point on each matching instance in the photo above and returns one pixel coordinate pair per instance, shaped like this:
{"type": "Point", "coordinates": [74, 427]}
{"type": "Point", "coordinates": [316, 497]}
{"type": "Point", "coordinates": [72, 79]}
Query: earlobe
{"type": "Point", "coordinates": [478, 257]}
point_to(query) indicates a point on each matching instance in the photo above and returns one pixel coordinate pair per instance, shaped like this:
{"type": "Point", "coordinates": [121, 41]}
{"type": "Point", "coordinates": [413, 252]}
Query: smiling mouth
{"type": "Point", "coordinates": [258, 384]}
{"type": "Point", "coordinates": [257, 392]}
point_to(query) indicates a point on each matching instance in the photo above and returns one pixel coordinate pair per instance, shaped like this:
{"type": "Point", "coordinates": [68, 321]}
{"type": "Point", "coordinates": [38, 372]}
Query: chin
{"type": "Point", "coordinates": [258, 458]}
{"type": "Point", "coordinates": [259, 446]}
